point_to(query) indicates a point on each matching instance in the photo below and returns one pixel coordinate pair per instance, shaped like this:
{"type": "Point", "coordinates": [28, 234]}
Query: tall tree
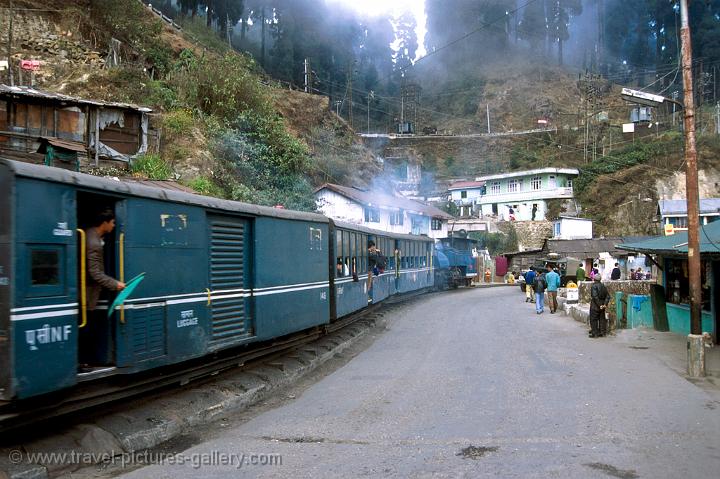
{"type": "Point", "coordinates": [559, 20]}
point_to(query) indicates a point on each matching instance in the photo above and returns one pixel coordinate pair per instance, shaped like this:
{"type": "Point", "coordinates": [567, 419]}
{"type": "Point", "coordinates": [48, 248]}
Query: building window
{"type": "Point", "coordinates": [557, 229]}
{"type": "Point", "coordinates": [679, 222]}
{"type": "Point", "coordinates": [436, 224]}
{"type": "Point", "coordinates": [495, 188]}
{"type": "Point", "coordinates": [536, 182]}
{"type": "Point", "coordinates": [569, 183]}
{"type": "Point", "coordinates": [513, 186]}
{"type": "Point", "coordinates": [396, 218]}
{"type": "Point", "coordinates": [463, 194]}
{"type": "Point", "coordinates": [372, 215]}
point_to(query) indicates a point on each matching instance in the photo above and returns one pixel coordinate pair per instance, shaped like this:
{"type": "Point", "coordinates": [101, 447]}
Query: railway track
{"type": "Point", "coordinates": [112, 389]}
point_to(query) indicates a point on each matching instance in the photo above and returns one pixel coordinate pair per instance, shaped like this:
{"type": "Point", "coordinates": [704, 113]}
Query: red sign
{"type": "Point", "coordinates": [31, 65]}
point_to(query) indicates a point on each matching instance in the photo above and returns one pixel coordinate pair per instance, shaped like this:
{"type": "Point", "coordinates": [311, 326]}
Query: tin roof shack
{"type": "Point", "coordinates": [671, 254]}
{"type": "Point", "coordinates": [108, 131]}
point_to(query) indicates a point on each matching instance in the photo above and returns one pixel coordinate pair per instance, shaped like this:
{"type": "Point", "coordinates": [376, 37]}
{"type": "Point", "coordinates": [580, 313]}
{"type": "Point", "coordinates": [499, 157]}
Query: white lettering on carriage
{"type": "Point", "coordinates": [62, 230]}
{"type": "Point", "coordinates": [4, 281]}
{"type": "Point", "coordinates": [47, 335]}
{"type": "Point", "coordinates": [187, 318]}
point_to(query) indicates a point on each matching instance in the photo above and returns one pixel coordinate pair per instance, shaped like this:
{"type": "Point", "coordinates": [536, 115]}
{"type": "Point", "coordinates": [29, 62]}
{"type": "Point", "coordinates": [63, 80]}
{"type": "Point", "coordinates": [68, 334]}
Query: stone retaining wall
{"type": "Point", "coordinates": [627, 287]}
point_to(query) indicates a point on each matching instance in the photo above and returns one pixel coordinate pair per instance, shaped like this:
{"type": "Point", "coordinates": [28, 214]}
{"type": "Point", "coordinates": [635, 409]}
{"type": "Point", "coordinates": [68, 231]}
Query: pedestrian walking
{"type": "Point", "coordinates": [599, 299]}
{"type": "Point", "coordinates": [579, 273]}
{"type": "Point", "coordinates": [539, 287]}
{"type": "Point", "coordinates": [529, 285]}
{"type": "Point", "coordinates": [615, 275]}
{"type": "Point", "coordinates": [552, 280]}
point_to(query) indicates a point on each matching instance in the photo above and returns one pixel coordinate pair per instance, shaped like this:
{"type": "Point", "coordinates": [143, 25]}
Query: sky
{"type": "Point", "coordinates": [393, 8]}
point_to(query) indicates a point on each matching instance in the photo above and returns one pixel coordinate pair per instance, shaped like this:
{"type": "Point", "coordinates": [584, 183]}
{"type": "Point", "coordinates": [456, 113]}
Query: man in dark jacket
{"type": "Point", "coordinates": [599, 299]}
{"type": "Point", "coordinates": [539, 287]}
{"type": "Point", "coordinates": [615, 275]}
{"type": "Point", "coordinates": [96, 337]}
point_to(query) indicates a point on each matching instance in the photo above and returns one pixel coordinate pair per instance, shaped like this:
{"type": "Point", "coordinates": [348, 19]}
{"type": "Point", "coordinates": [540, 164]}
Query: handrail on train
{"type": "Point", "coordinates": [83, 279]}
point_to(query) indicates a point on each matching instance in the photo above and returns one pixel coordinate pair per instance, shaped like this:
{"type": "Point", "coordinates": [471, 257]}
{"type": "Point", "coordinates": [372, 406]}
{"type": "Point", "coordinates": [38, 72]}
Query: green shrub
{"type": "Point", "coordinates": [152, 167]}
{"type": "Point", "coordinates": [206, 186]}
{"type": "Point", "coordinates": [178, 122]}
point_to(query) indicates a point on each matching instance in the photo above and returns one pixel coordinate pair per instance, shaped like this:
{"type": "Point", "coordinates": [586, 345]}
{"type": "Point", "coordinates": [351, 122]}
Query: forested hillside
{"type": "Point", "coordinates": [227, 87]}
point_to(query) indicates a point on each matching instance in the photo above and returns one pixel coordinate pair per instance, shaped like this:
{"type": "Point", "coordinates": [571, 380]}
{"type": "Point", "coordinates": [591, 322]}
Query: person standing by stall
{"type": "Point", "coordinates": [599, 299]}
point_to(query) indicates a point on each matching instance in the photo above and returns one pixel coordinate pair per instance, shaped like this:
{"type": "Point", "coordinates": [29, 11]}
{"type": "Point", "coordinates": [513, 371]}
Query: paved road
{"type": "Point", "coordinates": [473, 383]}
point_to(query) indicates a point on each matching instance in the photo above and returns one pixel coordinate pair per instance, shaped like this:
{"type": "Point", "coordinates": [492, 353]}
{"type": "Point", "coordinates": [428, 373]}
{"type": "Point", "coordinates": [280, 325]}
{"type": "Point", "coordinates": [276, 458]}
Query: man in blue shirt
{"type": "Point", "coordinates": [552, 279]}
{"type": "Point", "coordinates": [529, 280]}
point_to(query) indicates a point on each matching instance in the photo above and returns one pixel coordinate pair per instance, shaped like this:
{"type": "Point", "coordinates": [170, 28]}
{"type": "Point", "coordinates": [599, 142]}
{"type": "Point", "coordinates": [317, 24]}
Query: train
{"type": "Point", "coordinates": [218, 274]}
{"type": "Point", "coordinates": [455, 261]}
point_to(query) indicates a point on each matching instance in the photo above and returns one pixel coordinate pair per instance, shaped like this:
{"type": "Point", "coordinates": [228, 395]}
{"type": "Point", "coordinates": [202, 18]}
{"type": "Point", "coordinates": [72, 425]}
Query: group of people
{"type": "Point", "coordinates": [538, 283]}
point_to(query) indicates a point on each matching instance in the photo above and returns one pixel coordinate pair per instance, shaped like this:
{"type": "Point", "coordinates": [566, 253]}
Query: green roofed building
{"type": "Point", "coordinates": [670, 253]}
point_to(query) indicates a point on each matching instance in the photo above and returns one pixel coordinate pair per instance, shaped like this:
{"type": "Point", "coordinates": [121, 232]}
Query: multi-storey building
{"type": "Point", "coordinates": [521, 195]}
{"type": "Point", "coordinates": [381, 211]}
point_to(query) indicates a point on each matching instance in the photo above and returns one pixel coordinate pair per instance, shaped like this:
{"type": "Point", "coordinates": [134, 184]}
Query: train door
{"type": "Point", "coordinates": [97, 341]}
{"type": "Point", "coordinates": [44, 314]}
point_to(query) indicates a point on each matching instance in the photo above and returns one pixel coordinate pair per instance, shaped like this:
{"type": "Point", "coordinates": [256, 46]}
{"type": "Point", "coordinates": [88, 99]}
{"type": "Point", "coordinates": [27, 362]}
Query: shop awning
{"type": "Point", "coordinates": [677, 244]}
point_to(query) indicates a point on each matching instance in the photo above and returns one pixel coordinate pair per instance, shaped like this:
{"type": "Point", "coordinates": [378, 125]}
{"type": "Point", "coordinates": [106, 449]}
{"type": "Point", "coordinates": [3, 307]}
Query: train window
{"type": "Point", "coordinates": [45, 268]}
{"type": "Point", "coordinates": [353, 250]}
{"type": "Point", "coordinates": [341, 267]}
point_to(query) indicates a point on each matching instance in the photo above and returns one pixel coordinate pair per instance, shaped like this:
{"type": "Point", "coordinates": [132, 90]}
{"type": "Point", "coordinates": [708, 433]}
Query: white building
{"type": "Point", "coordinates": [570, 228]}
{"type": "Point", "coordinates": [381, 211]}
{"type": "Point", "coordinates": [520, 196]}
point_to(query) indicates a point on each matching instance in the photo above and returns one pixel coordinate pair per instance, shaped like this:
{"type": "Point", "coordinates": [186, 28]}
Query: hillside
{"type": "Point", "coordinates": [224, 127]}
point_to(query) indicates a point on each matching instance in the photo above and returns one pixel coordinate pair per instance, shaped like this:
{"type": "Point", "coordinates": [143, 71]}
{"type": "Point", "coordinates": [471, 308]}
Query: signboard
{"type": "Point", "coordinates": [641, 97]}
{"type": "Point", "coordinates": [628, 127]}
{"type": "Point", "coordinates": [669, 229]}
{"type": "Point", "coordinates": [572, 293]}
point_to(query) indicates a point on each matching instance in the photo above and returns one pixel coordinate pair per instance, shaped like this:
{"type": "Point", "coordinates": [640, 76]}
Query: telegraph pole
{"type": "Point", "coordinates": [370, 96]}
{"type": "Point", "coordinates": [11, 77]}
{"type": "Point", "coordinates": [696, 356]}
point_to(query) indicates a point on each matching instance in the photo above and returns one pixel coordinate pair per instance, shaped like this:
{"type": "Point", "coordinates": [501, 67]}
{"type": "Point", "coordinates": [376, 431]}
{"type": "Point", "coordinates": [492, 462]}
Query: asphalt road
{"type": "Point", "coordinates": [473, 383]}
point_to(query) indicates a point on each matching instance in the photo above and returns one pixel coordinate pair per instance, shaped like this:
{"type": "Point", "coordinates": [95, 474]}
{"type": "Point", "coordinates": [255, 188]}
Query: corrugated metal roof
{"type": "Point", "coordinates": [26, 91]}
{"type": "Point", "coordinates": [465, 184]}
{"type": "Point", "coordinates": [60, 143]}
{"type": "Point", "coordinates": [679, 207]}
{"type": "Point", "coordinates": [537, 171]}
{"type": "Point", "coordinates": [367, 198]}
{"type": "Point", "coordinates": [582, 246]}
{"type": "Point", "coordinates": [677, 244]}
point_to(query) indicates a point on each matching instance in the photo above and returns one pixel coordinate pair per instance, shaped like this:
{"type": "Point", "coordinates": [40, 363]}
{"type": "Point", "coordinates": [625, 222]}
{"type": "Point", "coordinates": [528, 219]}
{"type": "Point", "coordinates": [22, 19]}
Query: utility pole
{"type": "Point", "coordinates": [717, 118]}
{"type": "Point", "coordinates": [350, 92]}
{"type": "Point", "coordinates": [306, 66]}
{"type": "Point", "coordinates": [337, 107]}
{"type": "Point", "coordinates": [696, 351]}
{"type": "Point", "coordinates": [11, 77]}
{"type": "Point", "coordinates": [371, 95]}
{"type": "Point", "coordinates": [487, 105]}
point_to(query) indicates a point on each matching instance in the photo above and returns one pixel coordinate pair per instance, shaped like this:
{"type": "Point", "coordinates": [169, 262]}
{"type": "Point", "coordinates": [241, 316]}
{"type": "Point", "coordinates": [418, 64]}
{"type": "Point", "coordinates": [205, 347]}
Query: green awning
{"type": "Point", "coordinates": [677, 244]}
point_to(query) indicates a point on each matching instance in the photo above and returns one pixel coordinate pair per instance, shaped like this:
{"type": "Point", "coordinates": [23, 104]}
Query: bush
{"type": "Point", "coordinates": [178, 122]}
{"type": "Point", "coordinates": [152, 167]}
{"type": "Point", "coordinates": [206, 186]}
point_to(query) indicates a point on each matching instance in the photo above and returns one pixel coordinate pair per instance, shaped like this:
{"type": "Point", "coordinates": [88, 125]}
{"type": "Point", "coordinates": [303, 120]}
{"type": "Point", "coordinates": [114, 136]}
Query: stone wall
{"type": "Point", "coordinates": [36, 37]}
{"type": "Point", "coordinates": [627, 287]}
{"type": "Point", "coordinates": [530, 234]}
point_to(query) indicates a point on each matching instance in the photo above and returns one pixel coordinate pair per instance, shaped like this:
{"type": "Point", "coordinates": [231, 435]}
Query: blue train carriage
{"type": "Point", "coordinates": [352, 286]}
{"type": "Point", "coordinates": [218, 274]}
{"type": "Point", "coordinates": [414, 263]}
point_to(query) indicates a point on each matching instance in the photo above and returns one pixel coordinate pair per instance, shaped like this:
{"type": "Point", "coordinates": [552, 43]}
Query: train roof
{"type": "Point", "coordinates": [58, 175]}
{"type": "Point", "coordinates": [364, 229]}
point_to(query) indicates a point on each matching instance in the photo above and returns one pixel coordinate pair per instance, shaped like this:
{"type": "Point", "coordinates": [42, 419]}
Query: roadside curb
{"type": "Point", "coordinates": [176, 412]}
